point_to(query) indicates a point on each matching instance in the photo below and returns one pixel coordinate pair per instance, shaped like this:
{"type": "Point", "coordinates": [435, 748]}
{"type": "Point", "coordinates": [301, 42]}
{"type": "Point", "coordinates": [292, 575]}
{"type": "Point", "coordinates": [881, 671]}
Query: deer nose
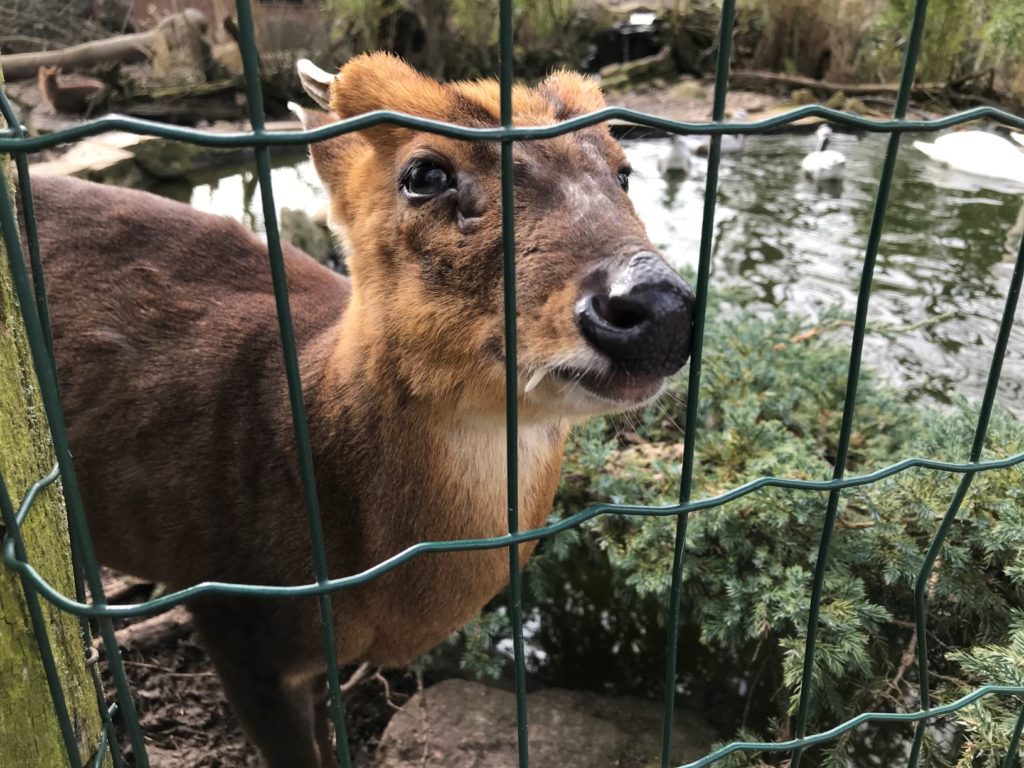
{"type": "Point", "coordinates": [643, 320]}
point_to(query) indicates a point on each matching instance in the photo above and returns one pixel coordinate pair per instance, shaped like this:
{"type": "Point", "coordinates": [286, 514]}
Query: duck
{"type": "Point", "coordinates": [678, 159]}
{"type": "Point", "coordinates": [823, 164]}
{"type": "Point", "coordinates": [977, 152]}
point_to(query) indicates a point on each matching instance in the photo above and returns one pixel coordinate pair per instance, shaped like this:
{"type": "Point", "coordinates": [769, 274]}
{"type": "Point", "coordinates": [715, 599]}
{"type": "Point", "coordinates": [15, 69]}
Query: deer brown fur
{"type": "Point", "coordinates": [71, 98]}
{"type": "Point", "coordinates": [171, 370]}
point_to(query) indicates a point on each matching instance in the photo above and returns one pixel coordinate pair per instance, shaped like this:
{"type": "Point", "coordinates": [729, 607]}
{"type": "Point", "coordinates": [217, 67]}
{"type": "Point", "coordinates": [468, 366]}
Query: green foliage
{"type": "Point", "coordinates": [362, 20]}
{"type": "Point", "coordinates": [1005, 28]}
{"type": "Point", "coordinates": [771, 404]}
{"type": "Point", "coordinates": [864, 40]}
{"type": "Point", "coordinates": [547, 33]}
{"type": "Point", "coordinates": [990, 721]}
{"type": "Point", "coordinates": [950, 30]}
{"type": "Point", "coordinates": [961, 38]}
{"type": "Point", "coordinates": [477, 27]}
{"type": "Point", "coordinates": [478, 639]}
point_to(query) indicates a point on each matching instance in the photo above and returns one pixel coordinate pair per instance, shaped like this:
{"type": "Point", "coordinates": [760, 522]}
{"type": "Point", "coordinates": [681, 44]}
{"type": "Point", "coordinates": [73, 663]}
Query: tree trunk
{"type": "Point", "coordinates": [181, 30]}
{"type": "Point", "coordinates": [29, 732]}
{"type": "Point", "coordinates": [434, 14]}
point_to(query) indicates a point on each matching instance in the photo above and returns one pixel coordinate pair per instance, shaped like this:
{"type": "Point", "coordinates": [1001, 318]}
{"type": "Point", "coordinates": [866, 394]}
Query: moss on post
{"type": "Point", "coordinates": [29, 733]}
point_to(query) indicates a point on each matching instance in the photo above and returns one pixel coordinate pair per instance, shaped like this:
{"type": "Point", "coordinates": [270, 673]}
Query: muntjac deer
{"type": "Point", "coordinates": [80, 97]}
{"type": "Point", "coordinates": [171, 366]}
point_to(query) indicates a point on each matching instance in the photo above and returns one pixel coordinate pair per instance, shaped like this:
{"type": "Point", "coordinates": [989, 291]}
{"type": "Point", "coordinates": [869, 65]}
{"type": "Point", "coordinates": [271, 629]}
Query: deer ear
{"type": "Point", "coordinates": [572, 94]}
{"type": "Point", "coordinates": [328, 155]}
{"type": "Point", "coordinates": [377, 81]}
{"type": "Point", "coordinates": [315, 82]}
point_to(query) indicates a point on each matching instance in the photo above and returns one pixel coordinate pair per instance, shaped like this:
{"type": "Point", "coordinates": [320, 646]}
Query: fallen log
{"type": "Point", "coordinates": [739, 76]}
{"type": "Point", "coordinates": [126, 49]}
{"type": "Point", "coordinates": [184, 111]}
{"type": "Point", "coordinates": [150, 632]}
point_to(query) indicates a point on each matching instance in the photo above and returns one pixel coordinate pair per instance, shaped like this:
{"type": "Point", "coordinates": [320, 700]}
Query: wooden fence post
{"type": "Point", "coordinates": [29, 731]}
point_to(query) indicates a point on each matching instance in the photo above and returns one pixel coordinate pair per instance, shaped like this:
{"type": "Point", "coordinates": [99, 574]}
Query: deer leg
{"type": "Point", "coordinates": [276, 713]}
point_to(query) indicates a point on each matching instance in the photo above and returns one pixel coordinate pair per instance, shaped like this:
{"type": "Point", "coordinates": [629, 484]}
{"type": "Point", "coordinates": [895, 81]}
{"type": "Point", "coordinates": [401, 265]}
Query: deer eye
{"type": "Point", "coordinates": [624, 173]}
{"type": "Point", "coordinates": [426, 178]}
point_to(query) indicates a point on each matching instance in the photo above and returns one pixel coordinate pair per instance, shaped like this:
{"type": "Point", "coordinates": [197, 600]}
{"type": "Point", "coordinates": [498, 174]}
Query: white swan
{"type": "Point", "coordinates": [1018, 137]}
{"type": "Point", "coordinates": [824, 164]}
{"type": "Point", "coordinates": [979, 153]}
{"type": "Point", "coordinates": [678, 158]}
{"type": "Point", "coordinates": [731, 142]}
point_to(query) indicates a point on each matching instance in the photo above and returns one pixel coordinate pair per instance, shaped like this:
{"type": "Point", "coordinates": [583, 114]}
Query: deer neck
{"type": "Point", "coordinates": [49, 87]}
{"type": "Point", "coordinates": [450, 458]}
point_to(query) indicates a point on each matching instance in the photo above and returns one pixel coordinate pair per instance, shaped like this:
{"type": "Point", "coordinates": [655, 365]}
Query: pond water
{"type": "Point", "coordinates": [942, 273]}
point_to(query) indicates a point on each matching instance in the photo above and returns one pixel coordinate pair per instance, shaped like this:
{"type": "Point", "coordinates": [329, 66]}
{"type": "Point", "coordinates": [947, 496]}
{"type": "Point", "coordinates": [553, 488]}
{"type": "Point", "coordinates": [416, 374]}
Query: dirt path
{"type": "Point", "coordinates": [689, 100]}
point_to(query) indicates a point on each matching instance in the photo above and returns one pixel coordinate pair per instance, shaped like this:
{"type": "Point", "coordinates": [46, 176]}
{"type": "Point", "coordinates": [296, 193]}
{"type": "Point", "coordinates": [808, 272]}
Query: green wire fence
{"type": "Point", "coordinates": [31, 296]}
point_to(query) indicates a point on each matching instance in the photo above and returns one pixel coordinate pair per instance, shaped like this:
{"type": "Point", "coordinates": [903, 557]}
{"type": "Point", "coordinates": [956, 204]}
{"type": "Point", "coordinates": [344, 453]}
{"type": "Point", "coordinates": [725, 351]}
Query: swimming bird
{"type": "Point", "coordinates": [678, 159]}
{"type": "Point", "coordinates": [731, 142]}
{"type": "Point", "coordinates": [979, 153]}
{"type": "Point", "coordinates": [824, 164]}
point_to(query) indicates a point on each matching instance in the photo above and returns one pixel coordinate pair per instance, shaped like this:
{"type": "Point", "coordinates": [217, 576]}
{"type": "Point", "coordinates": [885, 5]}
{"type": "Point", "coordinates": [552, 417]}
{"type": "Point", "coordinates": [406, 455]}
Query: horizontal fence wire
{"type": "Point", "coordinates": [855, 722]}
{"type": "Point", "coordinates": [14, 140]}
{"type": "Point", "coordinates": [220, 588]}
{"type": "Point", "coordinates": [10, 142]}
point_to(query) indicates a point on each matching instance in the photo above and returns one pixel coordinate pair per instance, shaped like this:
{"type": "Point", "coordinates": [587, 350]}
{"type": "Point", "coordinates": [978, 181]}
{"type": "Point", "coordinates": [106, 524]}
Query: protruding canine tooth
{"type": "Point", "coordinates": [535, 379]}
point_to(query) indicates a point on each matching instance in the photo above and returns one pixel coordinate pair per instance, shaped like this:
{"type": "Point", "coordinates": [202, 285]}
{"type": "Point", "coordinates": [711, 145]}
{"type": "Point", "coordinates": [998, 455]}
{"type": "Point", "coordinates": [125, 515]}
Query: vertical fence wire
{"type": "Point", "coordinates": [508, 250]}
{"type": "Point", "coordinates": [31, 232]}
{"type": "Point", "coordinates": [109, 739]}
{"type": "Point", "coordinates": [104, 743]}
{"type": "Point", "coordinates": [42, 309]}
{"type": "Point", "coordinates": [981, 431]}
{"type": "Point", "coordinates": [35, 614]}
{"type": "Point", "coordinates": [853, 374]}
{"type": "Point", "coordinates": [1012, 759]}
{"type": "Point", "coordinates": [693, 385]}
{"type": "Point", "coordinates": [39, 286]}
{"type": "Point", "coordinates": [80, 536]}
{"type": "Point", "coordinates": [254, 97]}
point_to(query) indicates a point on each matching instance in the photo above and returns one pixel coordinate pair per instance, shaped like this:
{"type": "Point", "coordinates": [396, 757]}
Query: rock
{"type": "Point", "coordinates": [461, 724]}
{"type": "Point", "coordinates": [166, 159]}
{"type": "Point", "coordinates": [836, 100]}
{"type": "Point", "coordinates": [306, 232]}
{"type": "Point", "coordinates": [856, 106]}
{"type": "Point", "coordinates": [802, 96]}
{"type": "Point", "coordinates": [688, 89]}
{"type": "Point", "coordinates": [660, 65]}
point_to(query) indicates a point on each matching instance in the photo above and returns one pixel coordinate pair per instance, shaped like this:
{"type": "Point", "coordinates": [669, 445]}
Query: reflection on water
{"type": "Point", "coordinates": [234, 191]}
{"type": "Point", "coordinates": [944, 265]}
{"type": "Point", "coordinates": [943, 269]}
